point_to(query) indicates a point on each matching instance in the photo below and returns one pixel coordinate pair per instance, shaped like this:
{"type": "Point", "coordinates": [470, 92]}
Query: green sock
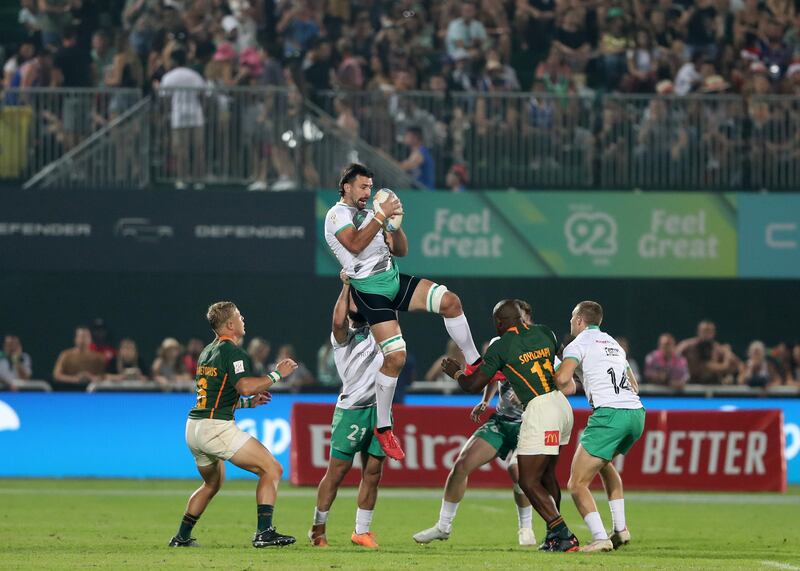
{"type": "Point", "coordinates": [264, 516]}
{"type": "Point", "coordinates": [187, 524]}
{"type": "Point", "coordinates": [559, 528]}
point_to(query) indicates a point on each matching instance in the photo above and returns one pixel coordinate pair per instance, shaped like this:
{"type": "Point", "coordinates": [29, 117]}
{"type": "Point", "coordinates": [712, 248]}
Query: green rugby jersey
{"type": "Point", "coordinates": [219, 367]}
{"type": "Point", "coordinates": [526, 356]}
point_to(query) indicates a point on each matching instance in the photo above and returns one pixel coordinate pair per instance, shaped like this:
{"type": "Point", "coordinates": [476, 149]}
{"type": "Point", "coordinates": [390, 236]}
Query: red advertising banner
{"type": "Point", "coordinates": [739, 450]}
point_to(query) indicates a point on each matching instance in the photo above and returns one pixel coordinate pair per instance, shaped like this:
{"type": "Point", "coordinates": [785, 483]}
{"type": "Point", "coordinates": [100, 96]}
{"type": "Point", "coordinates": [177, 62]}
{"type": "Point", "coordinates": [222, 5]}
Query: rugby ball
{"type": "Point", "coordinates": [392, 224]}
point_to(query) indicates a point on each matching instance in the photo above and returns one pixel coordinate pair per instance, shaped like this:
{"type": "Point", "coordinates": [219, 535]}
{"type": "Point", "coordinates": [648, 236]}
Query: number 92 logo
{"type": "Point", "coordinates": [592, 233]}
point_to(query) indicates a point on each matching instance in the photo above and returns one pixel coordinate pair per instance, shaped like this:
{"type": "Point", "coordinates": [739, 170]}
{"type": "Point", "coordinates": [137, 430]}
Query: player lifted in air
{"type": "Point", "coordinates": [358, 358]}
{"type": "Point", "coordinates": [497, 438]}
{"type": "Point", "coordinates": [224, 375]}
{"type": "Point", "coordinates": [526, 354]}
{"type": "Point", "coordinates": [616, 423]}
{"type": "Point", "coordinates": [361, 241]}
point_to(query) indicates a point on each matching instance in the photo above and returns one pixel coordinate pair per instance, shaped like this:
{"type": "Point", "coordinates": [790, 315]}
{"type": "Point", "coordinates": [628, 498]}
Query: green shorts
{"type": "Point", "coordinates": [612, 431]}
{"type": "Point", "coordinates": [351, 432]}
{"type": "Point", "coordinates": [500, 433]}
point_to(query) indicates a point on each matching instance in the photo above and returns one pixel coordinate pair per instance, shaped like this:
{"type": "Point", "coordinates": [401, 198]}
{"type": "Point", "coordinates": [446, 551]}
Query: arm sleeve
{"type": "Point", "coordinates": [492, 360]}
{"type": "Point", "coordinates": [239, 366]}
{"type": "Point", "coordinates": [337, 220]}
{"type": "Point", "coordinates": [575, 350]}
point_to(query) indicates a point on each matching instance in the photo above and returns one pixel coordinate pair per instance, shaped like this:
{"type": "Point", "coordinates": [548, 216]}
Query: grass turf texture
{"type": "Point", "coordinates": [122, 524]}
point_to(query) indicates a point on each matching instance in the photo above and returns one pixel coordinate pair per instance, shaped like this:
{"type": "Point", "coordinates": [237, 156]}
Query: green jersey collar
{"type": "Point", "coordinates": [592, 327]}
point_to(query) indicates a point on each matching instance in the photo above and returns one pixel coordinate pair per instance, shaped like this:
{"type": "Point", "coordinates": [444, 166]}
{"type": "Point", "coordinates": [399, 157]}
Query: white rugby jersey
{"type": "Point", "coordinates": [373, 259]}
{"type": "Point", "coordinates": [602, 366]}
{"type": "Point", "coordinates": [357, 362]}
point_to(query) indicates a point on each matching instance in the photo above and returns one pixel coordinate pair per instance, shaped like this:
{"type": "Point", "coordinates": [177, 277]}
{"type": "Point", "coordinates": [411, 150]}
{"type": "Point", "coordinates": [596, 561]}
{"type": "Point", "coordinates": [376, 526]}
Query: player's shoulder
{"type": "Point", "coordinates": [230, 349]}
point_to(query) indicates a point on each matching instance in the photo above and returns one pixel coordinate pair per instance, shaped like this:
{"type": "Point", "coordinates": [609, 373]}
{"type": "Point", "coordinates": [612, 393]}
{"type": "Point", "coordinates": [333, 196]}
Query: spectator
{"type": "Point", "coordinates": [127, 365]}
{"type": "Point", "coordinates": [457, 178]}
{"type": "Point", "coordinates": [701, 29]}
{"type": "Point", "coordinates": [186, 119]}
{"type": "Point", "coordinates": [71, 64]}
{"type": "Point", "coordinates": [349, 74]}
{"type": "Point", "coordinates": [15, 364]}
{"type": "Point", "coordinates": [28, 17]}
{"type": "Point", "coordinates": [194, 347]}
{"type": "Point", "coordinates": [614, 46]}
{"type": "Point", "coordinates": [318, 69]}
{"type": "Point", "coordinates": [80, 365]}
{"type": "Point", "coordinates": [623, 342]}
{"type": "Point", "coordinates": [710, 363]}
{"type": "Point", "coordinates": [419, 163]}
{"type": "Point", "coordinates": [12, 70]}
{"type": "Point", "coordinates": [466, 32]}
{"type": "Point", "coordinates": [259, 351]}
{"type": "Point", "coordinates": [300, 25]}
{"type": "Point", "coordinates": [101, 340]}
{"type": "Point", "coordinates": [665, 366]}
{"type": "Point", "coordinates": [689, 77]}
{"type": "Point", "coordinates": [642, 65]}
{"type": "Point", "coordinates": [535, 21]}
{"type": "Point", "coordinates": [53, 18]}
{"type": "Point", "coordinates": [435, 373]}
{"type": "Point", "coordinates": [758, 371]}
{"type": "Point", "coordinates": [168, 368]}
{"type": "Point", "coordinates": [301, 377]}
{"type": "Point", "coordinates": [794, 374]}
{"type": "Point", "coordinates": [102, 58]}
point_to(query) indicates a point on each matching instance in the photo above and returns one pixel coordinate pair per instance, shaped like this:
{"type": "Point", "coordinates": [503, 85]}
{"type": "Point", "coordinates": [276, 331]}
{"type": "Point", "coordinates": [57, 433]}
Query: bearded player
{"type": "Point", "coordinates": [357, 359]}
{"type": "Point", "coordinates": [366, 248]}
{"type": "Point", "coordinates": [497, 438]}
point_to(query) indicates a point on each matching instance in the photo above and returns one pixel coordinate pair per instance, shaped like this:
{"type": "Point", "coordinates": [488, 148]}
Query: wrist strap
{"type": "Point", "coordinates": [275, 376]}
{"type": "Point", "coordinates": [458, 375]}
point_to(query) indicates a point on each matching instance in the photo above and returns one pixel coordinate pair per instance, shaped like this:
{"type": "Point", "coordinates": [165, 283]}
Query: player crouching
{"type": "Point", "coordinates": [358, 359]}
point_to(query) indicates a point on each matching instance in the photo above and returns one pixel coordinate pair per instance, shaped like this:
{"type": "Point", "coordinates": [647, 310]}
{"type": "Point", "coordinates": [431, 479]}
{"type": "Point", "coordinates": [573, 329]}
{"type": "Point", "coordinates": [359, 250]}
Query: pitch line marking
{"type": "Point", "coordinates": [780, 565]}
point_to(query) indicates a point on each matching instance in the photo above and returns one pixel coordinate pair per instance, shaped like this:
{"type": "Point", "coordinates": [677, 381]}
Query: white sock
{"type": "Point", "coordinates": [446, 516]}
{"type": "Point", "coordinates": [384, 392]}
{"type": "Point", "coordinates": [596, 526]}
{"type": "Point", "coordinates": [617, 513]}
{"type": "Point", "coordinates": [363, 520]}
{"type": "Point", "coordinates": [525, 516]}
{"type": "Point", "coordinates": [458, 329]}
{"type": "Point", "coordinates": [320, 517]}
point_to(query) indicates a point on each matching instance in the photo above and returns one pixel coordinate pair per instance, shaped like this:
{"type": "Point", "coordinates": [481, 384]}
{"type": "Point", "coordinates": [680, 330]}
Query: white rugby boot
{"type": "Point", "coordinates": [431, 534]}
{"type": "Point", "coordinates": [526, 537]}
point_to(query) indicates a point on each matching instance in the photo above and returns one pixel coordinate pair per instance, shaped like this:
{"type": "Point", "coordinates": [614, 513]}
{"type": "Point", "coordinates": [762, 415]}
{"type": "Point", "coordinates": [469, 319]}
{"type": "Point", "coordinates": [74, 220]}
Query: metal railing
{"type": "Point", "coordinates": [271, 137]}
{"type": "Point", "coordinates": [115, 157]}
{"type": "Point", "coordinates": [39, 125]}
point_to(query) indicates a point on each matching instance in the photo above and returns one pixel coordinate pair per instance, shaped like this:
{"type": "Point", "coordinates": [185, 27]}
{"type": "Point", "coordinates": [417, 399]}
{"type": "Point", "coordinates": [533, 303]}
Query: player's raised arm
{"type": "Point", "coordinates": [249, 386]}
{"type": "Point", "coordinates": [356, 240]}
{"type": "Point", "coordinates": [473, 383]}
{"type": "Point", "coordinates": [339, 323]}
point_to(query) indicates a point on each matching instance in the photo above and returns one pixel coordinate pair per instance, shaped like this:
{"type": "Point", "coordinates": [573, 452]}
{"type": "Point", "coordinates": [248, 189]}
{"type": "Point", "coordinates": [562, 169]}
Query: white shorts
{"type": "Point", "coordinates": [546, 425]}
{"type": "Point", "coordinates": [211, 440]}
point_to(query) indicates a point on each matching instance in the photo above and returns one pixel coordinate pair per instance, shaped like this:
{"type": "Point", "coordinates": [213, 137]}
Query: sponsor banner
{"type": "Point", "coordinates": [679, 450]}
{"type": "Point", "coordinates": [91, 435]}
{"type": "Point", "coordinates": [769, 235]}
{"type": "Point", "coordinates": [209, 231]}
{"type": "Point", "coordinates": [603, 234]}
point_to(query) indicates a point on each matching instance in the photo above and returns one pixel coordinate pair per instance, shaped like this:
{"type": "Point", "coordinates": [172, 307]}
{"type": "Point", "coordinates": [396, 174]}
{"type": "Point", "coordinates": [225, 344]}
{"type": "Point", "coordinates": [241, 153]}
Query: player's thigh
{"type": "Point", "coordinates": [532, 467]}
{"type": "Point", "coordinates": [476, 452]}
{"type": "Point", "coordinates": [371, 466]}
{"type": "Point", "coordinates": [584, 467]}
{"type": "Point", "coordinates": [427, 296]}
{"type": "Point", "coordinates": [255, 458]}
{"type": "Point", "coordinates": [605, 433]}
{"type": "Point", "coordinates": [376, 309]}
{"type": "Point", "coordinates": [352, 432]}
{"type": "Point", "coordinates": [546, 425]}
{"type": "Point", "coordinates": [338, 469]}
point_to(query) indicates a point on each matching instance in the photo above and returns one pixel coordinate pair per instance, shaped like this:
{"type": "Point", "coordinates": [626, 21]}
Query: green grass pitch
{"type": "Point", "coordinates": [123, 524]}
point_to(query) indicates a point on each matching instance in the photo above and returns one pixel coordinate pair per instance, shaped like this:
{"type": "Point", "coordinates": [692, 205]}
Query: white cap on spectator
{"type": "Point", "coordinates": [229, 24]}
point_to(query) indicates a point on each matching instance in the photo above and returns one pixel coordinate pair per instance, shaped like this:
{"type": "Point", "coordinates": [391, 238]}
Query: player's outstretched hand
{"type": "Point", "coordinates": [261, 398]}
{"type": "Point", "coordinates": [286, 367]}
{"type": "Point", "coordinates": [344, 277]}
{"type": "Point", "coordinates": [476, 413]}
{"type": "Point", "coordinates": [450, 367]}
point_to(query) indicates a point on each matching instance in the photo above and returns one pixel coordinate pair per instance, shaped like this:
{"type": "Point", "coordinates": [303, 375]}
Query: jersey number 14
{"type": "Point", "coordinates": [623, 382]}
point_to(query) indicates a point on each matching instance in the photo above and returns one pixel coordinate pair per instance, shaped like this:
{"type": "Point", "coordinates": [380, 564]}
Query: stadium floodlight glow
{"type": "Point", "coordinates": [287, 136]}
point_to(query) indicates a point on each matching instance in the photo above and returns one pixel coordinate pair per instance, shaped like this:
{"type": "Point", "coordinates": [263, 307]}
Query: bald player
{"type": "Point", "coordinates": [526, 356]}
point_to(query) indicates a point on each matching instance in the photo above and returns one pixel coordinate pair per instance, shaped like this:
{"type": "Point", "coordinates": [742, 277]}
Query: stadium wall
{"type": "Point", "coordinates": [142, 435]}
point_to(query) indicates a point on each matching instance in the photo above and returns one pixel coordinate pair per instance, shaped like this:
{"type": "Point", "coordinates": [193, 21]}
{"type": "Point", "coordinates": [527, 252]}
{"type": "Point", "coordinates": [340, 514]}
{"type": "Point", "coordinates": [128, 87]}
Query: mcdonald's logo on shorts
{"type": "Point", "coordinates": [551, 437]}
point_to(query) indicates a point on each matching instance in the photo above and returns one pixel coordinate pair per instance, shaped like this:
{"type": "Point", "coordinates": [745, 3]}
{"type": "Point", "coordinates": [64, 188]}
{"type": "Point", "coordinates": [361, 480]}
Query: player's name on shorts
{"type": "Point", "coordinates": [534, 355]}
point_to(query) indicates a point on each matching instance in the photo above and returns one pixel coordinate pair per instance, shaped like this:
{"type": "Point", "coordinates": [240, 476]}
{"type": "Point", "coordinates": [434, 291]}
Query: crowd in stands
{"type": "Point", "coordinates": [94, 360]}
{"type": "Point", "coordinates": [387, 48]}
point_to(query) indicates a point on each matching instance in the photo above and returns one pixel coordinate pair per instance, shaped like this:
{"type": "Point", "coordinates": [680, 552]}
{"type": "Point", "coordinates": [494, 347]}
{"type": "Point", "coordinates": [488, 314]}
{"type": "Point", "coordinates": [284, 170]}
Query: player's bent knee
{"type": "Point", "coordinates": [437, 299]}
{"type": "Point", "coordinates": [450, 305]}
